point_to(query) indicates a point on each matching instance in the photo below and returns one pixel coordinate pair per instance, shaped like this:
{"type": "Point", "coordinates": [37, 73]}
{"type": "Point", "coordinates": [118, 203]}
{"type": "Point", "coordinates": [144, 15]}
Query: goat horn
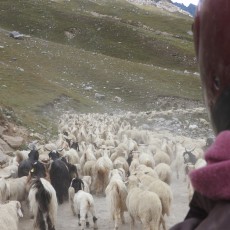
{"type": "Point", "coordinates": [6, 177]}
{"type": "Point", "coordinates": [59, 150]}
{"type": "Point", "coordinates": [47, 148]}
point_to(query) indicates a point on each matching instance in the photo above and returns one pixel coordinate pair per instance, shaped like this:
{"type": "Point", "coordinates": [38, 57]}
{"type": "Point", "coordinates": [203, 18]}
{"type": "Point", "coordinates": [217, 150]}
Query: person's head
{"type": "Point", "coordinates": [211, 31]}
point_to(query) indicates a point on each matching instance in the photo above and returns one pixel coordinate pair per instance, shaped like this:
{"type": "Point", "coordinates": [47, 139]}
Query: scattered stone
{"type": "Point", "coordinates": [193, 127]}
{"type": "Point", "coordinates": [99, 96]}
{"type": "Point", "coordinates": [88, 88]}
{"type": "Point", "coordinates": [16, 35]}
{"type": "Point", "coordinates": [117, 99]}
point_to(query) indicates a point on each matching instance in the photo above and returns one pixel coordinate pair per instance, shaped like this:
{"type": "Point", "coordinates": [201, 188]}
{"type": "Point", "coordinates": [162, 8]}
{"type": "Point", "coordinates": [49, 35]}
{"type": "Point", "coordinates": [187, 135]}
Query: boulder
{"type": "Point", "coordinates": [99, 96]}
{"type": "Point", "coordinates": [4, 147]}
{"type": "Point", "coordinates": [3, 158]}
{"type": "Point", "coordinates": [14, 142]}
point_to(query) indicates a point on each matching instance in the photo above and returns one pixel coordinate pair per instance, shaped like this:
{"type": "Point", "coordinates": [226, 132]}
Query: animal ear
{"type": "Point", "coordinates": [19, 211]}
{"type": "Point", "coordinates": [83, 186]}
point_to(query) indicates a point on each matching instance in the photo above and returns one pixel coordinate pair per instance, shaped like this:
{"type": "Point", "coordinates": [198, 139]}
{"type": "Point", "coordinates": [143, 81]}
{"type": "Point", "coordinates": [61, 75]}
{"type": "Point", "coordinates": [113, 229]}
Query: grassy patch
{"type": "Point", "coordinates": [117, 49]}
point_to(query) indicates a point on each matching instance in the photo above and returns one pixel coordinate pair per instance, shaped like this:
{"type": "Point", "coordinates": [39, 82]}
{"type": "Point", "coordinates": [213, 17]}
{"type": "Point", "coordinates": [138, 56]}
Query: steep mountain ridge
{"type": "Point", "coordinates": [190, 9]}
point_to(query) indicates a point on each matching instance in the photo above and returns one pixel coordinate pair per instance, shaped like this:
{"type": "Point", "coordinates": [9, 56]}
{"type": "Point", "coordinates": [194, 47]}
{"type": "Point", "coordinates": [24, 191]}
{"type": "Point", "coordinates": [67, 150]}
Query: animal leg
{"type": "Point", "coordinates": [146, 225]}
{"type": "Point", "coordinates": [122, 218]}
{"type": "Point", "coordinates": [82, 224]}
{"type": "Point", "coordinates": [117, 218]}
{"type": "Point", "coordinates": [49, 223]}
{"type": "Point", "coordinates": [95, 222]}
{"type": "Point", "coordinates": [87, 221]}
{"type": "Point", "coordinates": [39, 222]}
{"type": "Point", "coordinates": [79, 217]}
{"type": "Point", "coordinates": [92, 211]}
{"type": "Point", "coordinates": [162, 221]}
{"type": "Point", "coordinates": [132, 222]}
{"type": "Point", "coordinates": [83, 214]}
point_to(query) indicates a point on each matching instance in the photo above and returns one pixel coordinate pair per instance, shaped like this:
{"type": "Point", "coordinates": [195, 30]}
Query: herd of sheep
{"type": "Point", "coordinates": [131, 167]}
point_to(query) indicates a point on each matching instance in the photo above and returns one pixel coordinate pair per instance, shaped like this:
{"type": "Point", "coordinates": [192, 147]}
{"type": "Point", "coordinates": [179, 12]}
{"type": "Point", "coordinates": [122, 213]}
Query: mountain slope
{"type": "Point", "coordinates": [113, 28]}
{"type": "Point", "coordinates": [79, 48]}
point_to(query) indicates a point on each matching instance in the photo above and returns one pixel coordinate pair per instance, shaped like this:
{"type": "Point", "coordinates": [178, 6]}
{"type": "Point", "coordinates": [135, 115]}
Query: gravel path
{"type": "Point", "coordinates": [67, 221]}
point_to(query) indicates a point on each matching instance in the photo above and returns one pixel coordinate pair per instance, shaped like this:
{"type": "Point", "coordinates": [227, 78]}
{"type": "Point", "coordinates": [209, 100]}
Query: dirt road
{"type": "Point", "coordinates": [66, 220]}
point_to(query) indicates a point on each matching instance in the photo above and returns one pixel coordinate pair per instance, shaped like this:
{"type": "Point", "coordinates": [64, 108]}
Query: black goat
{"type": "Point", "coordinates": [189, 157]}
{"type": "Point", "coordinates": [77, 184]}
{"type": "Point", "coordinates": [130, 158]}
{"type": "Point", "coordinates": [75, 146]}
{"type": "Point", "coordinates": [38, 170]}
{"type": "Point", "coordinates": [72, 144]}
{"type": "Point", "coordinates": [61, 174]}
{"type": "Point", "coordinates": [43, 203]}
{"type": "Point", "coordinates": [189, 160]}
{"type": "Point", "coordinates": [26, 165]}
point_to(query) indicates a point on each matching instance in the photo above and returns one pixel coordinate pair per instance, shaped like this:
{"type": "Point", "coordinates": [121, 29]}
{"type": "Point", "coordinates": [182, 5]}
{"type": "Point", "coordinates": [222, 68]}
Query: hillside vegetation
{"type": "Point", "coordinates": [111, 47]}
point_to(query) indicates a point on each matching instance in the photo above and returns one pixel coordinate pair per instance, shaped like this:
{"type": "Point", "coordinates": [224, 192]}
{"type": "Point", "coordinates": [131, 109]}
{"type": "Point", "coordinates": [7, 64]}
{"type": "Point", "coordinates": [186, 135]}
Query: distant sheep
{"type": "Point", "coordinates": [146, 170]}
{"type": "Point", "coordinates": [164, 172]}
{"type": "Point", "coordinates": [161, 157]}
{"type": "Point", "coordinates": [102, 169]}
{"type": "Point", "coordinates": [72, 156]}
{"type": "Point", "coordinates": [121, 162]}
{"type": "Point", "coordinates": [147, 159]}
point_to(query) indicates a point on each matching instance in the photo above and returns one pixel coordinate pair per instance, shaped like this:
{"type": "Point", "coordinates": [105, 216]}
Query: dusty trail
{"type": "Point", "coordinates": [66, 220]}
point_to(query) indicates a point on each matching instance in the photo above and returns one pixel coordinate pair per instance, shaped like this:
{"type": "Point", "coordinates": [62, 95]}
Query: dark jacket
{"type": "Point", "coordinates": [206, 214]}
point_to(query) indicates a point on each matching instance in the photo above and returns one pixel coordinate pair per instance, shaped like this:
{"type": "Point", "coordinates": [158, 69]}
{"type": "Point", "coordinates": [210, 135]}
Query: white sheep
{"type": "Point", "coordinates": [83, 204]}
{"type": "Point", "coordinates": [146, 170]}
{"type": "Point", "coordinates": [121, 162]}
{"type": "Point", "coordinates": [71, 156]}
{"type": "Point", "coordinates": [164, 172]}
{"type": "Point", "coordinates": [43, 203]}
{"type": "Point", "coordinates": [9, 215]}
{"type": "Point", "coordinates": [161, 157]}
{"type": "Point", "coordinates": [13, 189]}
{"type": "Point", "coordinates": [162, 189]}
{"type": "Point", "coordinates": [119, 152]}
{"type": "Point", "coordinates": [87, 156]}
{"type": "Point", "coordinates": [143, 205]}
{"type": "Point", "coordinates": [102, 169]}
{"type": "Point", "coordinates": [116, 194]}
{"type": "Point", "coordinates": [147, 159]}
{"type": "Point", "coordinates": [21, 155]}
